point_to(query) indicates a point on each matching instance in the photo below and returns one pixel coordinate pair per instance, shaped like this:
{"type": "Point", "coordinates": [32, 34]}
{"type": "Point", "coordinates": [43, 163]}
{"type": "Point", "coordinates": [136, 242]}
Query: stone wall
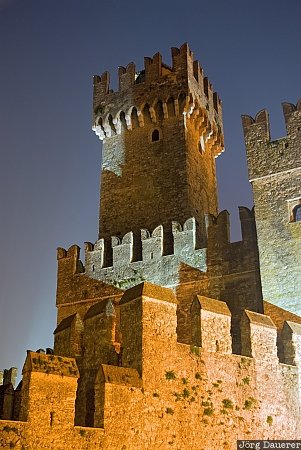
{"type": "Point", "coordinates": [76, 292]}
{"type": "Point", "coordinates": [8, 396]}
{"type": "Point", "coordinates": [275, 174]}
{"type": "Point", "coordinates": [164, 394]}
{"type": "Point", "coordinates": [224, 270]}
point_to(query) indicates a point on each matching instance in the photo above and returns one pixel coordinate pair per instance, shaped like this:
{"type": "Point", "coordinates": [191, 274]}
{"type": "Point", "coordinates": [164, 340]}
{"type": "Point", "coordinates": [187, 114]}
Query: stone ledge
{"type": "Point", "coordinates": [50, 365]}
{"type": "Point", "coordinates": [146, 289]}
{"type": "Point", "coordinates": [213, 305]}
{"type": "Point", "coordinates": [119, 375]}
{"type": "Point", "coordinates": [259, 319]}
{"type": "Point", "coordinates": [65, 323]}
{"type": "Point", "coordinates": [295, 327]}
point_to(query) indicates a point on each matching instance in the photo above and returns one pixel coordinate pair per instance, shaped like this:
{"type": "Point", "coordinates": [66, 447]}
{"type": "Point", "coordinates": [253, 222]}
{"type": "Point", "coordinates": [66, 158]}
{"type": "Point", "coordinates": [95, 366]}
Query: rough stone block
{"type": "Point", "coordinates": [211, 325]}
{"type": "Point", "coordinates": [259, 337]}
{"type": "Point", "coordinates": [291, 341]}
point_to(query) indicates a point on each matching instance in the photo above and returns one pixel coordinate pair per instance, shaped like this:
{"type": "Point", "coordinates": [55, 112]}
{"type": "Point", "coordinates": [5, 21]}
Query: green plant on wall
{"type": "Point", "coordinates": [227, 403]}
{"type": "Point", "coordinates": [249, 403]}
{"type": "Point", "coordinates": [186, 393]}
{"type": "Point", "coordinates": [244, 363]}
{"type": "Point", "coordinates": [270, 420]}
{"type": "Point", "coordinates": [170, 375]}
{"type": "Point", "coordinates": [195, 350]}
{"type": "Point", "coordinates": [208, 412]}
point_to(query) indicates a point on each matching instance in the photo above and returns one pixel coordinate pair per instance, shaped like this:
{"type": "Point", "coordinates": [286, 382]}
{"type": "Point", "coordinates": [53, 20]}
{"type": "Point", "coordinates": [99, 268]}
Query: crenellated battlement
{"type": "Point", "coordinates": [260, 122]}
{"type": "Point", "coordinates": [155, 377]}
{"type": "Point", "coordinates": [117, 262]}
{"type": "Point", "coordinates": [290, 113]}
{"type": "Point", "coordinates": [114, 261]}
{"type": "Point", "coordinates": [184, 239]}
{"type": "Point", "coordinates": [157, 93]}
{"type": "Point", "coordinates": [8, 376]}
{"type": "Point", "coordinates": [292, 118]}
{"type": "Point", "coordinates": [155, 70]}
{"type": "Point", "coordinates": [266, 156]}
{"type": "Point", "coordinates": [184, 244]}
{"type": "Point", "coordinates": [210, 325]}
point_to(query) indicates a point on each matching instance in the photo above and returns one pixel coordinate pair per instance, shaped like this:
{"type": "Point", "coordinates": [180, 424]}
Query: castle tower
{"type": "Point", "coordinates": [275, 174]}
{"type": "Point", "coordinates": [161, 132]}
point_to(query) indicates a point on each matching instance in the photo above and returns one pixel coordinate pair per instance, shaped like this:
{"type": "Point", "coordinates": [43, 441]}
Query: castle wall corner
{"type": "Point", "coordinates": [148, 326]}
{"type": "Point", "coordinates": [259, 337]}
{"type": "Point", "coordinates": [211, 325]}
{"type": "Point", "coordinates": [45, 377]}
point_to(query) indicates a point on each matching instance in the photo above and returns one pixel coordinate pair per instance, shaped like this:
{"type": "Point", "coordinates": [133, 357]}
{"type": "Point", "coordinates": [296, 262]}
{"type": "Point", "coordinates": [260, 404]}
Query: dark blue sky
{"type": "Point", "coordinates": [50, 158]}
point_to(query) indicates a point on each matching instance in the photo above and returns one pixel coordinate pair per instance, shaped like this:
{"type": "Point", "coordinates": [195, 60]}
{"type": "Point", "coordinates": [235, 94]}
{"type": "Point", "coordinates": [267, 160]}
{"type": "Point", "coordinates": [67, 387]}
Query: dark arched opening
{"type": "Point", "coordinates": [155, 136]}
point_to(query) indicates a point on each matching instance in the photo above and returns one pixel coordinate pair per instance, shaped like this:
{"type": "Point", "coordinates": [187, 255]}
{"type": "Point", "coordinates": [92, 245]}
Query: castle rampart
{"type": "Point", "coordinates": [224, 270]}
{"type": "Point", "coordinates": [162, 391]}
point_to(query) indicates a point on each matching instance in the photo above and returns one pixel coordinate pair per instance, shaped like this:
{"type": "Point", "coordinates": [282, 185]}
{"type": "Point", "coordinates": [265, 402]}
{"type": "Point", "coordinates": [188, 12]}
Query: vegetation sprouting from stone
{"type": "Point", "coordinates": [170, 375]}
{"type": "Point", "coordinates": [244, 363]}
{"type": "Point", "coordinates": [249, 403]}
{"type": "Point", "coordinates": [208, 412]}
{"type": "Point", "coordinates": [270, 420]}
{"type": "Point", "coordinates": [9, 429]}
{"type": "Point", "coordinates": [195, 350]}
{"type": "Point", "coordinates": [227, 403]}
{"type": "Point", "coordinates": [186, 393]}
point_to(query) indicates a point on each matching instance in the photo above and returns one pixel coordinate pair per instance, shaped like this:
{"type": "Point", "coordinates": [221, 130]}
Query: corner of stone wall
{"type": "Point", "coordinates": [258, 337]}
{"type": "Point", "coordinates": [115, 376]}
{"type": "Point", "coordinates": [99, 334]}
{"type": "Point", "coordinates": [211, 325]}
{"type": "Point", "coordinates": [291, 341]}
{"type": "Point", "coordinates": [8, 393]}
{"type": "Point", "coordinates": [45, 377]}
{"type": "Point", "coordinates": [68, 336]}
{"type": "Point", "coordinates": [148, 326]}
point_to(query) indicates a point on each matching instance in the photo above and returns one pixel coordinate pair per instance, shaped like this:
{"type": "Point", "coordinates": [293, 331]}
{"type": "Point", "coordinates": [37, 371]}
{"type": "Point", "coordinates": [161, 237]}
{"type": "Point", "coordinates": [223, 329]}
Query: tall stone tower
{"type": "Point", "coordinates": [159, 219]}
{"type": "Point", "coordinates": [275, 174]}
{"type": "Point", "coordinates": [161, 132]}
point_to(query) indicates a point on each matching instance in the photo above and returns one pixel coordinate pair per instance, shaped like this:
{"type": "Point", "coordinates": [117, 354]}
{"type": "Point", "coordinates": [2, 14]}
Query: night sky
{"type": "Point", "coordinates": [50, 158]}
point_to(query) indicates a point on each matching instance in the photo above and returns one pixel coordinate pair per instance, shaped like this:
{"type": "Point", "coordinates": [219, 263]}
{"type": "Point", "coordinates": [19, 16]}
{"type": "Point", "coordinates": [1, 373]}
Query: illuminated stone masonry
{"type": "Point", "coordinates": [275, 174]}
{"type": "Point", "coordinates": [161, 339]}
